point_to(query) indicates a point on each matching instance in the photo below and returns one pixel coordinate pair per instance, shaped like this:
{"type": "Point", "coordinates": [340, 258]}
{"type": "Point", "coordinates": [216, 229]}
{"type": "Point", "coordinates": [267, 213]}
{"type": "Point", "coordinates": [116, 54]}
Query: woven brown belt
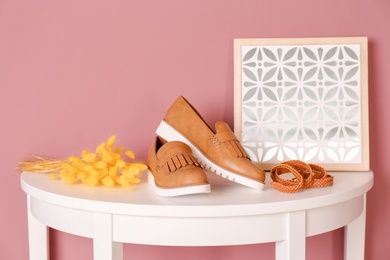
{"type": "Point", "coordinates": [305, 176]}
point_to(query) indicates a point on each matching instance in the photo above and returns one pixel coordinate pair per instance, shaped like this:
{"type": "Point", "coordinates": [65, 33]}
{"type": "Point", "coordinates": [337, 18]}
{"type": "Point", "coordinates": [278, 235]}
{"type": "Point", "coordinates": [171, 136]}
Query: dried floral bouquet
{"type": "Point", "coordinates": [105, 166]}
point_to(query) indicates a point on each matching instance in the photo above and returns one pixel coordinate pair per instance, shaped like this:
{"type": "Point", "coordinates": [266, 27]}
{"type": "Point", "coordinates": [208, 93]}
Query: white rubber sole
{"type": "Point", "coordinates": [177, 191]}
{"type": "Point", "coordinates": [170, 134]}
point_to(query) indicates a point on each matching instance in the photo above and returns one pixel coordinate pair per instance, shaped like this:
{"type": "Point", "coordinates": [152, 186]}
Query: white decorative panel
{"type": "Point", "coordinates": [301, 102]}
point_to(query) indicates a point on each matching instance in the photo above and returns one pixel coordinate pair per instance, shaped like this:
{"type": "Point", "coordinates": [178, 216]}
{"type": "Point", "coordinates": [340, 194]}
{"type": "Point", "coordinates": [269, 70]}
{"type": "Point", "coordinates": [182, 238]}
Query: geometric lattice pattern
{"type": "Point", "coordinates": [301, 102]}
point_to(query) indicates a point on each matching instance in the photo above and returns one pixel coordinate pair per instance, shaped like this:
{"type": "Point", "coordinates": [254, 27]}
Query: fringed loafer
{"type": "Point", "coordinates": [174, 171]}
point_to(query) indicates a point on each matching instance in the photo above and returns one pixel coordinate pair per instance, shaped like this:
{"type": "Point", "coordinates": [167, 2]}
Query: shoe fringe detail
{"type": "Point", "coordinates": [233, 146]}
{"type": "Point", "coordinates": [237, 148]}
{"type": "Point", "coordinates": [179, 161]}
{"type": "Point", "coordinates": [228, 139]}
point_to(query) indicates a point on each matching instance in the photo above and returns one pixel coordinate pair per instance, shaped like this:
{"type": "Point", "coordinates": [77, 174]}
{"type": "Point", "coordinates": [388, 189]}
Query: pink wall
{"type": "Point", "coordinates": [74, 72]}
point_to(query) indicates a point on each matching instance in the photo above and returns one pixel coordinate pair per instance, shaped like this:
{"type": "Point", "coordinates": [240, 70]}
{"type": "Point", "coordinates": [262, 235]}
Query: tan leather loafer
{"type": "Point", "coordinates": [220, 151]}
{"type": "Point", "coordinates": [174, 171]}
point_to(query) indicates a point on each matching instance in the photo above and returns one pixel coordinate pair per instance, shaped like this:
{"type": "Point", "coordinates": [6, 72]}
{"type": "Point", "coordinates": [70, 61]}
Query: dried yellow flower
{"type": "Point", "coordinates": [130, 154]}
{"type": "Point", "coordinates": [111, 141]}
{"type": "Point", "coordinates": [104, 167]}
{"type": "Point", "coordinates": [89, 157]}
{"type": "Point", "coordinates": [107, 181]}
{"type": "Point", "coordinates": [120, 163]}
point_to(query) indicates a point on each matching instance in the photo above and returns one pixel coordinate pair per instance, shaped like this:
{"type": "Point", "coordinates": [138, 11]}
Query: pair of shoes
{"type": "Point", "coordinates": [305, 176]}
{"type": "Point", "coordinates": [219, 151]}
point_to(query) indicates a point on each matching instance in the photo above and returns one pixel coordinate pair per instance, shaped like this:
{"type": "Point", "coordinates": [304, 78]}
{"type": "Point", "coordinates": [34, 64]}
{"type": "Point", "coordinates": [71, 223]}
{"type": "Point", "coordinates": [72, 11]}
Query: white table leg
{"type": "Point", "coordinates": [354, 237]}
{"type": "Point", "coordinates": [38, 236]}
{"type": "Point", "coordinates": [294, 246]}
{"type": "Point", "coordinates": [104, 248]}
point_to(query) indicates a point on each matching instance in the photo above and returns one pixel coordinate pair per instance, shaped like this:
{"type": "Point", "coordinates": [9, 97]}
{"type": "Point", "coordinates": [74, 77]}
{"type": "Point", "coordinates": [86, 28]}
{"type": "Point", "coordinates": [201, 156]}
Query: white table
{"type": "Point", "coordinates": [230, 215]}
